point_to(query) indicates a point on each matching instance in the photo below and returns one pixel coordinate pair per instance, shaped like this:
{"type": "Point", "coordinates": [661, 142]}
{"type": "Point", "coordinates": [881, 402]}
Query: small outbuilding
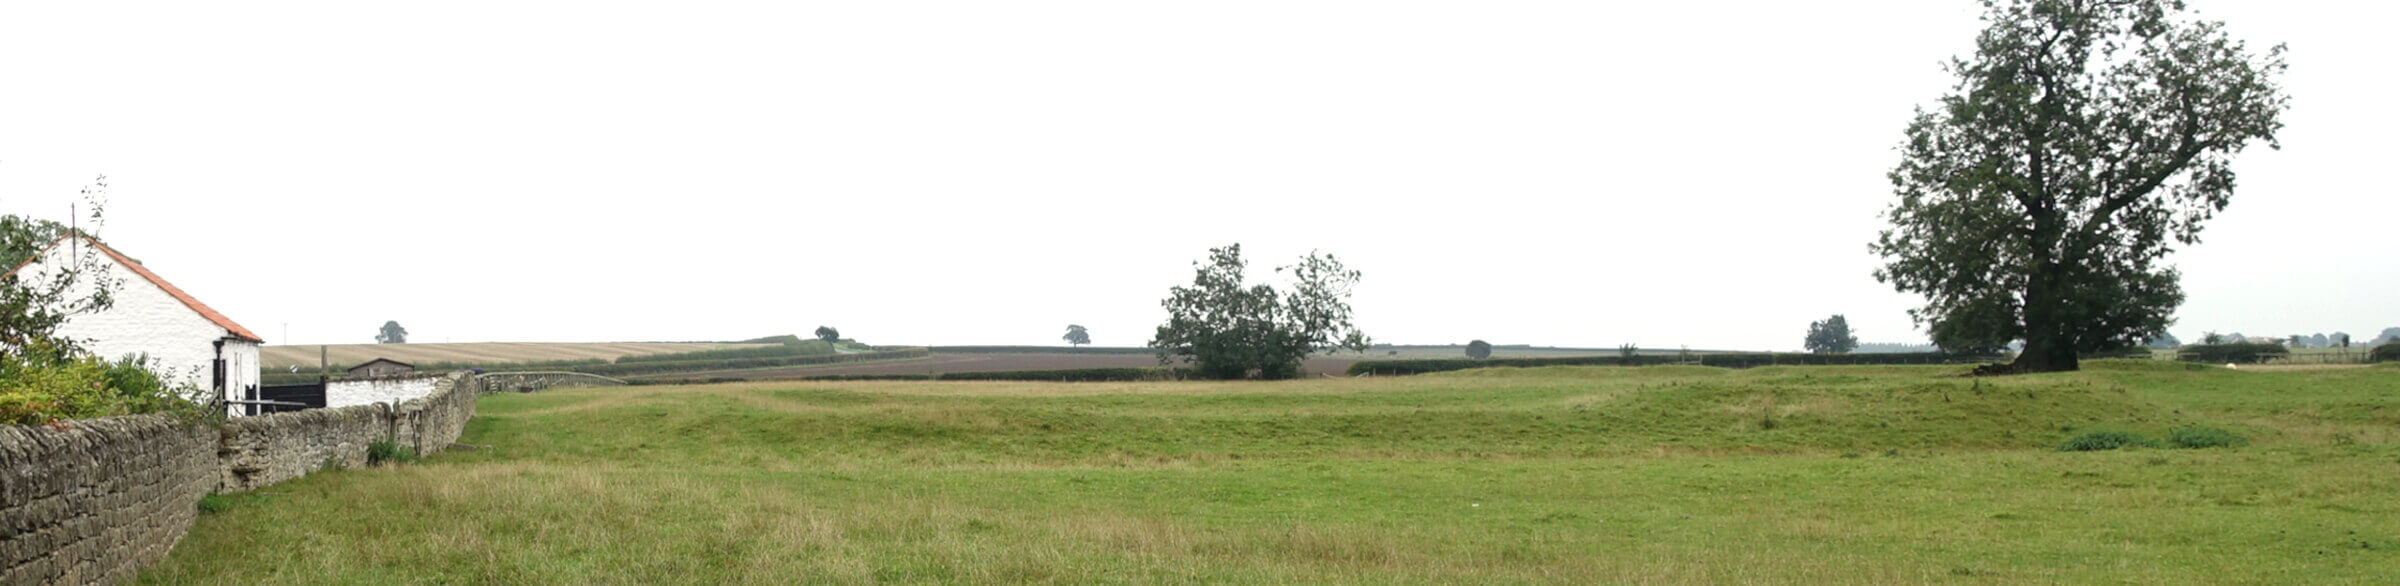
{"type": "Point", "coordinates": [382, 367]}
{"type": "Point", "coordinates": [190, 343]}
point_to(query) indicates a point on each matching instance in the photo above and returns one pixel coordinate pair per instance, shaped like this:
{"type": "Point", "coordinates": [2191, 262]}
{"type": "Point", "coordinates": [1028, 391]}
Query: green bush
{"type": "Point", "coordinates": [38, 387]}
{"type": "Point", "coordinates": [382, 452]}
{"type": "Point", "coordinates": [2093, 441]}
{"type": "Point", "coordinates": [2192, 438]}
{"type": "Point", "coordinates": [2385, 353]}
{"type": "Point", "coordinates": [2244, 353]}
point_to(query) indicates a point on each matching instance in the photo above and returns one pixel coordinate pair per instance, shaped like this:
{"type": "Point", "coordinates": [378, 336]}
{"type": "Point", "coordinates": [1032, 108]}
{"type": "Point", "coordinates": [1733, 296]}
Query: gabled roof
{"type": "Point", "coordinates": [234, 329]}
{"type": "Point", "coordinates": [383, 360]}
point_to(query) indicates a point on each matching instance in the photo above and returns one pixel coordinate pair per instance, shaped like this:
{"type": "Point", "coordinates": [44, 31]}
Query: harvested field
{"type": "Point", "coordinates": [945, 363]}
{"type": "Point", "coordinates": [279, 357]}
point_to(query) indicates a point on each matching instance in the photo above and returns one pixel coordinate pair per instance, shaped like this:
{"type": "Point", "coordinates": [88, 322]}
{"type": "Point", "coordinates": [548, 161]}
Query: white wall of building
{"type": "Point", "coordinates": [395, 390]}
{"type": "Point", "coordinates": [145, 319]}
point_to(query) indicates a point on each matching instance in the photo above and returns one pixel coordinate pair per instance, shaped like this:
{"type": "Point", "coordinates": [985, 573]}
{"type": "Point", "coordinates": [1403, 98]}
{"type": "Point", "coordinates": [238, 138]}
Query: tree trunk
{"type": "Point", "coordinates": [2048, 346]}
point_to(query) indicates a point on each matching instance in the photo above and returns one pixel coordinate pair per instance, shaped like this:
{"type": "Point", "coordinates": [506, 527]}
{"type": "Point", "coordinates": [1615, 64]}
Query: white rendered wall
{"type": "Point", "coordinates": [344, 393]}
{"type": "Point", "coordinates": [146, 320]}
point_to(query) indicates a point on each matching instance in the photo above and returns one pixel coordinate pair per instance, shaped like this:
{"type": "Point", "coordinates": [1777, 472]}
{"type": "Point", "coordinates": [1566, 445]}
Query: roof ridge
{"type": "Point", "coordinates": [235, 329]}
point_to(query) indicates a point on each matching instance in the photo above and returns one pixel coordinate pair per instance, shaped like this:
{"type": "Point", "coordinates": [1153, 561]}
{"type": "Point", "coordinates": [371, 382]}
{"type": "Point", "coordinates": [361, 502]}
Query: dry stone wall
{"type": "Point", "coordinates": [95, 501]}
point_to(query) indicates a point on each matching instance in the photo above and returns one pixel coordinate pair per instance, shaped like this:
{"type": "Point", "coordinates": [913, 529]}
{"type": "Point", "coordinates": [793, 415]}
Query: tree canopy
{"type": "Point", "coordinates": [1832, 336]}
{"type": "Point", "coordinates": [391, 333]}
{"type": "Point", "coordinates": [828, 334]}
{"type": "Point", "coordinates": [1228, 329]}
{"type": "Point", "coordinates": [1479, 349]}
{"type": "Point", "coordinates": [1076, 335]}
{"type": "Point", "coordinates": [2083, 140]}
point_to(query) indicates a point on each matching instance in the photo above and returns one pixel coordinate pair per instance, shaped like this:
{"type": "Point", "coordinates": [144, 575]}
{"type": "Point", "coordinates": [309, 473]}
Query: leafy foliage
{"type": "Point", "coordinates": [2385, 353]}
{"type": "Point", "coordinates": [1077, 336]}
{"type": "Point", "coordinates": [1479, 349]}
{"type": "Point", "coordinates": [2082, 139]}
{"type": "Point", "coordinates": [828, 334]}
{"type": "Point", "coordinates": [391, 333]}
{"type": "Point", "coordinates": [383, 452]}
{"type": "Point", "coordinates": [1832, 336]}
{"type": "Point", "coordinates": [1229, 330]}
{"type": "Point", "coordinates": [38, 386]}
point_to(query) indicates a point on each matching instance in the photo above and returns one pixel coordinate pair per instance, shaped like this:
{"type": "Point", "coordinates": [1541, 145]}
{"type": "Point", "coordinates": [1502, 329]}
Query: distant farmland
{"type": "Point", "coordinates": [305, 357]}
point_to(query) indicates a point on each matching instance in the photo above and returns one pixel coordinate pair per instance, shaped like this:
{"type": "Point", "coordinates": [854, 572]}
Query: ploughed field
{"type": "Point", "coordinates": [1556, 475]}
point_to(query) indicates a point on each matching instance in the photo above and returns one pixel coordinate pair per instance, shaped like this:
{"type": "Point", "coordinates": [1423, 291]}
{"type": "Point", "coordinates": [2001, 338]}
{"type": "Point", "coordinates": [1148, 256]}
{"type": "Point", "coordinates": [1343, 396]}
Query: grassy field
{"type": "Point", "coordinates": [283, 357]}
{"type": "Point", "coordinates": [1557, 475]}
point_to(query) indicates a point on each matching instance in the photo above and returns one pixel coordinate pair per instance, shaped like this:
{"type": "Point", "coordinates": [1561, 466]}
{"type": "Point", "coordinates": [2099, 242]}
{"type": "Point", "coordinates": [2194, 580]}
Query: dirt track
{"type": "Point", "coordinates": [993, 362]}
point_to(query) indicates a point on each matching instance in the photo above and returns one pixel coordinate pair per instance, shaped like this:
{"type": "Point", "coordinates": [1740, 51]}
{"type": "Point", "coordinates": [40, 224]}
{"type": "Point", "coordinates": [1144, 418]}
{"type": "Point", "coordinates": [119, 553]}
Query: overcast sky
{"type": "Point", "coordinates": [1552, 173]}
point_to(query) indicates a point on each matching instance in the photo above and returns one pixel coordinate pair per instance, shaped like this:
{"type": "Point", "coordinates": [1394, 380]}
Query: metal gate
{"type": "Point", "coordinates": [308, 396]}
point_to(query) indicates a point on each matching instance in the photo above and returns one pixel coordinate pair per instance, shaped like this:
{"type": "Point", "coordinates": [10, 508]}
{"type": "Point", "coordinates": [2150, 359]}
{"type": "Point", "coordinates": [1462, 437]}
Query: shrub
{"type": "Point", "coordinates": [2192, 438]}
{"type": "Point", "coordinates": [2093, 441]}
{"type": "Point", "coordinates": [2241, 352]}
{"type": "Point", "coordinates": [37, 386]}
{"type": "Point", "coordinates": [2385, 353]}
{"type": "Point", "coordinates": [382, 452]}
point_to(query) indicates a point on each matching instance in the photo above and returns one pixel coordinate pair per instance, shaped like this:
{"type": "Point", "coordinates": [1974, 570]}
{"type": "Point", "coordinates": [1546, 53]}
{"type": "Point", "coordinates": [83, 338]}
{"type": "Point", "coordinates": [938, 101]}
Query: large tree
{"type": "Point", "coordinates": [1832, 336]}
{"type": "Point", "coordinates": [2083, 140]}
{"type": "Point", "coordinates": [1076, 335]}
{"type": "Point", "coordinates": [391, 333]}
{"type": "Point", "coordinates": [828, 334]}
{"type": "Point", "coordinates": [1479, 349]}
{"type": "Point", "coordinates": [1228, 330]}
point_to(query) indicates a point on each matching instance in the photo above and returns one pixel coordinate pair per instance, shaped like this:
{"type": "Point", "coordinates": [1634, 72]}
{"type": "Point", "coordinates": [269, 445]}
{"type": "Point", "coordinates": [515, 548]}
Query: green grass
{"type": "Point", "coordinates": [1579, 475]}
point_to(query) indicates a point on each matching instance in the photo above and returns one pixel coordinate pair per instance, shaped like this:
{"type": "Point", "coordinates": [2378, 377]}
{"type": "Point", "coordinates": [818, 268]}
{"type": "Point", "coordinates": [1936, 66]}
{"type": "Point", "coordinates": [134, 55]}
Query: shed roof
{"type": "Point", "coordinates": [232, 329]}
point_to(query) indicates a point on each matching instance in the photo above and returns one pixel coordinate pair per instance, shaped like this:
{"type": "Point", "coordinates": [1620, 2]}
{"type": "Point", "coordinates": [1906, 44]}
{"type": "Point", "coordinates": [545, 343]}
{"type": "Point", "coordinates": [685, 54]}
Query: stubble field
{"type": "Point", "coordinates": [1554, 475]}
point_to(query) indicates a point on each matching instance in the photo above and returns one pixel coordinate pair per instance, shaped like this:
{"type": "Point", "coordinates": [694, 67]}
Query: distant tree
{"type": "Point", "coordinates": [1832, 336]}
{"type": "Point", "coordinates": [828, 334]}
{"type": "Point", "coordinates": [1479, 349]}
{"type": "Point", "coordinates": [1628, 350]}
{"type": "Point", "coordinates": [391, 333]}
{"type": "Point", "coordinates": [2319, 340]}
{"type": "Point", "coordinates": [2341, 340]}
{"type": "Point", "coordinates": [1076, 335]}
{"type": "Point", "coordinates": [1230, 330]}
{"type": "Point", "coordinates": [2212, 338]}
{"type": "Point", "coordinates": [2083, 141]}
{"type": "Point", "coordinates": [2165, 341]}
{"type": "Point", "coordinates": [2388, 336]}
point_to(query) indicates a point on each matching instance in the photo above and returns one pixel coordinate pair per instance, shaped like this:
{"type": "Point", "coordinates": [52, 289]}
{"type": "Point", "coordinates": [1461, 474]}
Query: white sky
{"type": "Point", "coordinates": [1552, 173]}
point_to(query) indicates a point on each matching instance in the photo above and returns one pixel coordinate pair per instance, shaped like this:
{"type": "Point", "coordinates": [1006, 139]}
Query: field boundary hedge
{"type": "Point", "coordinates": [1407, 367]}
{"type": "Point", "coordinates": [2244, 353]}
{"type": "Point", "coordinates": [1041, 350]}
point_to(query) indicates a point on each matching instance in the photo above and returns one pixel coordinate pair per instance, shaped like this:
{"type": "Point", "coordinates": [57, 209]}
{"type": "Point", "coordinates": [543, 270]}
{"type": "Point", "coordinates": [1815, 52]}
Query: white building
{"type": "Point", "coordinates": [188, 342]}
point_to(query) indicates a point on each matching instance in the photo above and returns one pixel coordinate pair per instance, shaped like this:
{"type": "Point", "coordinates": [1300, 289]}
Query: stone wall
{"type": "Point", "coordinates": [94, 501]}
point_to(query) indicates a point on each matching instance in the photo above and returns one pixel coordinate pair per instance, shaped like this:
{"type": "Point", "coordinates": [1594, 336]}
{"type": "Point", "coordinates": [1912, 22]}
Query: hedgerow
{"type": "Point", "coordinates": [2244, 353]}
{"type": "Point", "coordinates": [1072, 375]}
